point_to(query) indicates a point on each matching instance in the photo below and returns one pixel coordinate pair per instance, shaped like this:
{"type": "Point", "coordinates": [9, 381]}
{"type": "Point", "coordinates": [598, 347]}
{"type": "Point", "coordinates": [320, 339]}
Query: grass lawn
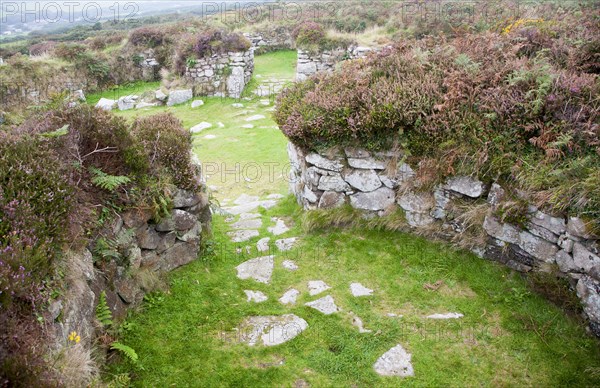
{"type": "Point", "coordinates": [187, 336]}
{"type": "Point", "coordinates": [508, 336]}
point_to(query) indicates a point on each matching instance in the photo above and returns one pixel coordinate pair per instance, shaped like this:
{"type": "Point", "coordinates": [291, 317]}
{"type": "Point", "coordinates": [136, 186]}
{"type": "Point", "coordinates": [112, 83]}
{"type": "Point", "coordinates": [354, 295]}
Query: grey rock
{"type": "Point", "coordinates": [394, 362]}
{"type": "Point", "coordinates": [503, 232]}
{"type": "Point", "coordinates": [544, 233]}
{"type": "Point", "coordinates": [326, 164]}
{"type": "Point", "coordinates": [537, 247]}
{"type": "Point", "coordinates": [197, 103]}
{"type": "Point", "coordinates": [366, 163]}
{"type": "Point", "coordinates": [144, 104]}
{"type": "Point", "coordinates": [326, 305]}
{"type": "Point", "coordinates": [445, 316]}
{"type": "Point", "coordinates": [255, 296]}
{"type": "Point", "coordinates": [236, 82]}
{"type": "Point", "coordinates": [255, 118]}
{"type": "Point", "coordinates": [306, 68]}
{"type": "Point", "coordinates": [148, 238]}
{"type": "Point", "coordinates": [357, 289]}
{"type": "Point", "coordinates": [379, 199]}
{"type": "Point", "coordinates": [263, 244]}
{"type": "Point", "coordinates": [555, 225]}
{"type": "Point", "coordinates": [565, 243]}
{"type": "Point", "coordinates": [286, 244]}
{"type": "Point", "coordinates": [249, 216]}
{"type": "Point", "coordinates": [179, 254]}
{"type": "Point", "coordinates": [565, 261]}
{"type": "Point", "coordinates": [334, 183]}
{"type": "Point", "coordinates": [289, 265]}
{"type": "Point", "coordinates": [271, 330]}
{"type": "Point", "coordinates": [200, 127]}
{"type": "Point", "coordinates": [126, 103]}
{"type": "Point", "coordinates": [55, 309]}
{"type": "Point", "coordinates": [588, 291]}
{"type": "Point", "coordinates": [415, 202]}
{"type": "Point", "coordinates": [259, 269]}
{"type": "Point", "coordinates": [106, 104]}
{"type": "Point", "coordinates": [179, 97]}
{"type": "Point", "coordinates": [309, 195]}
{"type": "Point", "coordinates": [584, 259]}
{"type": "Point", "coordinates": [405, 173]}
{"type": "Point", "coordinates": [313, 177]}
{"type": "Point", "coordinates": [178, 220]}
{"type": "Point", "coordinates": [290, 296]}
{"type": "Point", "coordinates": [185, 198]}
{"type": "Point", "coordinates": [315, 287]}
{"type": "Point", "coordinates": [578, 228]}
{"type": "Point", "coordinates": [279, 228]}
{"type": "Point", "coordinates": [331, 199]}
{"type": "Point", "coordinates": [245, 199]}
{"type": "Point", "coordinates": [167, 240]}
{"type": "Point", "coordinates": [253, 223]}
{"type": "Point", "coordinates": [496, 194]}
{"type": "Point", "coordinates": [465, 185]}
{"type": "Point", "coordinates": [243, 235]}
{"type": "Point", "coordinates": [356, 321]}
{"type": "Point", "coordinates": [192, 235]}
{"type": "Point", "coordinates": [356, 153]}
{"type": "Point", "coordinates": [364, 180]}
{"type": "Point", "coordinates": [160, 96]}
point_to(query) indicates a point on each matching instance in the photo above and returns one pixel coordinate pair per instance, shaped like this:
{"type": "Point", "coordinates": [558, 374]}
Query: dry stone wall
{"type": "Point", "coordinates": [140, 250]}
{"type": "Point", "coordinates": [380, 183]}
{"type": "Point", "coordinates": [310, 63]}
{"type": "Point", "coordinates": [223, 75]}
{"type": "Point", "coordinates": [270, 40]}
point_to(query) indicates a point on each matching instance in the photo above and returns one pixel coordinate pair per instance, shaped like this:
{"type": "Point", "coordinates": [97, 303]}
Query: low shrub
{"type": "Point", "coordinates": [488, 103]}
{"type": "Point", "coordinates": [42, 48]}
{"type": "Point", "coordinates": [147, 36]}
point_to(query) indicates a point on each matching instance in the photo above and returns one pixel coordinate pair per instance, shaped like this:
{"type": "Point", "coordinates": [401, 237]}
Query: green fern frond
{"type": "Point", "coordinates": [108, 182]}
{"type": "Point", "coordinates": [120, 381]}
{"type": "Point", "coordinates": [103, 313]}
{"type": "Point", "coordinates": [125, 350]}
{"type": "Point", "coordinates": [58, 133]}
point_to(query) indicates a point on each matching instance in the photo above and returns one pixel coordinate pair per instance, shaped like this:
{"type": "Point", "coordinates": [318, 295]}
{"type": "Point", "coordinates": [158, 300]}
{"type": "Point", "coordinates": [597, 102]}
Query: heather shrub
{"type": "Point", "coordinates": [147, 36]}
{"type": "Point", "coordinates": [311, 36]}
{"type": "Point", "coordinates": [491, 104]}
{"type": "Point", "coordinates": [42, 48]}
{"type": "Point", "coordinates": [167, 145]}
{"type": "Point", "coordinates": [69, 51]}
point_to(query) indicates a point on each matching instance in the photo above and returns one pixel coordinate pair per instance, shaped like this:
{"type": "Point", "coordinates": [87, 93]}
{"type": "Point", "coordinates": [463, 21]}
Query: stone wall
{"type": "Point", "coordinates": [223, 75]}
{"type": "Point", "coordinates": [270, 40]}
{"type": "Point", "coordinates": [138, 252]}
{"type": "Point", "coordinates": [150, 66]}
{"type": "Point", "coordinates": [309, 63]}
{"type": "Point", "coordinates": [380, 183]}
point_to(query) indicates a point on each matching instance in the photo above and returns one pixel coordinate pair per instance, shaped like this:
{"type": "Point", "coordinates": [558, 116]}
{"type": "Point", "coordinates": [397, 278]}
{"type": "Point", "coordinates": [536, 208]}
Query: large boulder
{"type": "Point", "coordinates": [236, 82]}
{"type": "Point", "coordinates": [126, 102]}
{"type": "Point", "coordinates": [106, 104]}
{"type": "Point", "coordinates": [179, 96]}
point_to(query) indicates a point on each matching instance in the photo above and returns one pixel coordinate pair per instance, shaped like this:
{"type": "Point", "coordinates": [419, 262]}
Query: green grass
{"type": "Point", "coordinates": [507, 337]}
{"type": "Point", "coordinates": [186, 337]}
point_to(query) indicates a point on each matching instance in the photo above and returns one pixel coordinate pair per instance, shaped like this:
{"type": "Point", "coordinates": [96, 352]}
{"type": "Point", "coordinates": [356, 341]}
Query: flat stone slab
{"type": "Point", "coordinates": [290, 296]}
{"type": "Point", "coordinates": [248, 126]}
{"type": "Point", "coordinates": [395, 362]}
{"type": "Point", "coordinates": [271, 330]}
{"type": "Point", "coordinates": [286, 244]}
{"type": "Point", "coordinates": [245, 199]}
{"type": "Point", "coordinates": [326, 305]}
{"type": "Point", "coordinates": [200, 127]}
{"type": "Point", "coordinates": [255, 117]}
{"type": "Point", "coordinates": [289, 265]}
{"type": "Point", "coordinates": [210, 137]}
{"type": "Point", "coordinates": [253, 223]}
{"type": "Point", "coordinates": [248, 207]}
{"type": "Point", "coordinates": [275, 196]}
{"type": "Point", "coordinates": [243, 235]}
{"type": "Point", "coordinates": [315, 287]}
{"type": "Point", "coordinates": [263, 244]}
{"type": "Point", "coordinates": [358, 289]}
{"type": "Point", "coordinates": [445, 316]}
{"type": "Point", "coordinates": [356, 321]}
{"type": "Point", "coordinates": [259, 269]}
{"type": "Point", "coordinates": [255, 296]}
{"type": "Point", "coordinates": [237, 105]}
{"type": "Point", "coordinates": [279, 228]}
{"type": "Point", "coordinates": [248, 216]}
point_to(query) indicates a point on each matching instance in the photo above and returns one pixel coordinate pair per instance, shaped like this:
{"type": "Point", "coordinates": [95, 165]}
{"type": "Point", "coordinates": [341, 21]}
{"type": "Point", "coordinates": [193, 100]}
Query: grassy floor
{"type": "Point", "coordinates": [508, 336]}
{"type": "Point", "coordinates": [186, 336]}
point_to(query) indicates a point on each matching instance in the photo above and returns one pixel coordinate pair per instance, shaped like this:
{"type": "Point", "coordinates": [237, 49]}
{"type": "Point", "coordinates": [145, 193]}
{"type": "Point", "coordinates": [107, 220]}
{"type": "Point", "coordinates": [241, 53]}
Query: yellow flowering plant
{"type": "Point", "coordinates": [74, 337]}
